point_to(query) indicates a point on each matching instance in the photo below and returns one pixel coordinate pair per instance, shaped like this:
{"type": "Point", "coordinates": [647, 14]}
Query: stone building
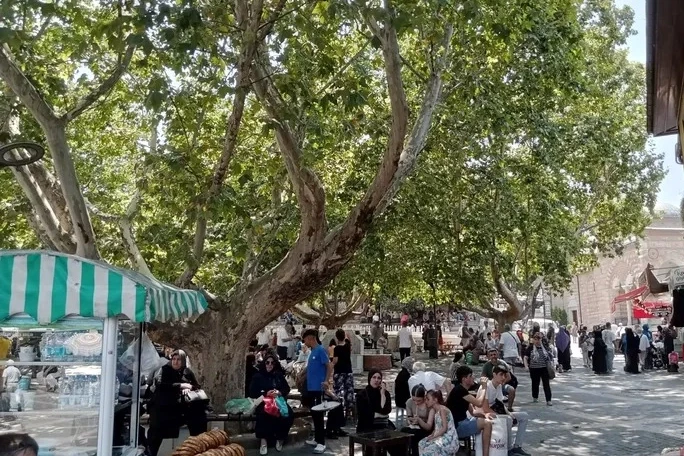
{"type": "Point", "coordinates": [590, 298]}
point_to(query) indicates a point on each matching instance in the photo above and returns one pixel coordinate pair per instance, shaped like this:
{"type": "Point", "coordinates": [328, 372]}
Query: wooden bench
{"type": "Point", "coordinates": [242, 419]}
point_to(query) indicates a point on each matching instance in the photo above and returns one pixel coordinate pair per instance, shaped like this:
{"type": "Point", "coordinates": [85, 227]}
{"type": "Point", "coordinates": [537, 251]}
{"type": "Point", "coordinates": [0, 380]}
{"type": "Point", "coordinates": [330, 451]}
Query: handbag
{"type": "Point", "coordinates": [551, 369]}
{"type": "Point", "coordinates": [270, 407]}
{"type": "Point", "coordinates": [197, 396]}
{"type": "Point", "coordinates": [281, 403]}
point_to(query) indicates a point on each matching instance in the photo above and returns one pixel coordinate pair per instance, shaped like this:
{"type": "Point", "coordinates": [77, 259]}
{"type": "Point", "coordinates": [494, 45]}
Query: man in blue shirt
{"type": "Point", "coordinates": [319, 371]}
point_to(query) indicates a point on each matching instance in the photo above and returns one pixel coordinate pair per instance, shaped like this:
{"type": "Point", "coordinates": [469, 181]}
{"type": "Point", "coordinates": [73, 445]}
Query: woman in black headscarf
{"type": "Point", "coordinates": [631, 351]}
{"type": "Point", "coordinates": [168, 410]}
{"type": "Point", "coordinates": [599, 356]}
{"type": "Point", "coordinates": [401, 388]}
{"type": "Point", "coordinates": [373, 405]}
{"type": "Point", "coordinates": [270, 383]}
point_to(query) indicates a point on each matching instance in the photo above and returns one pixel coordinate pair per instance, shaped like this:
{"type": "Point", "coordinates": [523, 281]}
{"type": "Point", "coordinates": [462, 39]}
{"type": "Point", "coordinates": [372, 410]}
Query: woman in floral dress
{"type": "Point", "coordinates": [443, 441]}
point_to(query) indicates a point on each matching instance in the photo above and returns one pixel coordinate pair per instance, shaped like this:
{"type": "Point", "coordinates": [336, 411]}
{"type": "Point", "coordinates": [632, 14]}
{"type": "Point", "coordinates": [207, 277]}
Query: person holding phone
{"type": "Point", "coordinates": [373, 405]}
{"type": "Point", "coordinates": [419, 417]}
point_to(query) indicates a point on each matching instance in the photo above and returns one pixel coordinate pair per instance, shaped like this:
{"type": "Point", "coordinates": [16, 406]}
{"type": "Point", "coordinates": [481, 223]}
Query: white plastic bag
{"type": "Point", "coordinates": [150, 361]}
{"type": "Point", "coordinates": [498, 445]}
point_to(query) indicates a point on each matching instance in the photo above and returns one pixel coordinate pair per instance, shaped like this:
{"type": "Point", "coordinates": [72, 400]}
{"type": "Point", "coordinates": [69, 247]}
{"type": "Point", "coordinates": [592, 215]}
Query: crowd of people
{"type": "Point", "coordinates": [440, 410]}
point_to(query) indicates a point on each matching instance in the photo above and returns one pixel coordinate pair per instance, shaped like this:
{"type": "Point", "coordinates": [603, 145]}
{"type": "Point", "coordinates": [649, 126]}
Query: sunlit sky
{"type": "Point", "coordinates": [672, 186]}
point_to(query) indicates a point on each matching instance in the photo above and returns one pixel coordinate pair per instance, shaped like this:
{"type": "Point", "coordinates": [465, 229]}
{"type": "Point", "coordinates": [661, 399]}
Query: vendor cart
{"type": "Point", "coordinates": [71, 325]}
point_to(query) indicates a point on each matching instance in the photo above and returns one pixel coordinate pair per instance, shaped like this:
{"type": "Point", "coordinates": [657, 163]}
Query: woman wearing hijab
{"type": "Point", "coordinates": [270, 383]}
{"type": "Point", "coordinates": [168, 411]}
{"type": "Point", "coordinates": [563, 346]}
{"type": "Point", "coordinates": [598, 359]}
{"type": "Point", "coordinates": [631, 349]}
{"type": "Point", "coordinates": [373, 406]}
{"type": "Point", "coordinates": [401, 387]}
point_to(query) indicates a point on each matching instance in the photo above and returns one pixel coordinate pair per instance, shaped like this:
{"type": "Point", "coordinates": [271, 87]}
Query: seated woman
{"type": "Point", "coordinates": [373, 406]}
{"type": "Point", "coordinates": [168, 411]}
{"type": "Point", "coordinates": [401, 388]}
{"type": "Point", "coordinates": [443, 441]}
{"type": "Point", "coordinates": [270, 383]}
{"type": "Point", "coordinates": [420, 418]}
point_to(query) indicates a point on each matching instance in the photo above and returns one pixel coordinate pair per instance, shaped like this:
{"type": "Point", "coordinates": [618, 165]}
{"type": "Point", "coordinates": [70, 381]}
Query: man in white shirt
{"type": "Point", "coordinates": [263, 337]}
{"type": "Point", "coordinates": [508, 346]}
{"type": "Point", "coordinates": [405, 338]}
{"type": "Point", "coordinates": [10, 377]}
{"type": "Point", "coordinates": [283, 342]}
{"type": "Point", "coordinates": [430, 380]}
{"type": "Point", "coordinates": [494, 394]}
{"type": "Point", "coordinates": [609, 338]}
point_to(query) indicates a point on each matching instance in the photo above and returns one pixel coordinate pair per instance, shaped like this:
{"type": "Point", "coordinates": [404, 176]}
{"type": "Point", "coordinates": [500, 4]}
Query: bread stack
{"type": "Point", "coordinates": [211, 443]}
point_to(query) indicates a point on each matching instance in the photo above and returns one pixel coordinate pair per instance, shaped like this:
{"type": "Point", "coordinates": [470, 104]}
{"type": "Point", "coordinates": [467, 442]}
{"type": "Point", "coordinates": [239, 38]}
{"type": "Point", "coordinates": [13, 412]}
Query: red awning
{"type": "Point", "coordinates": [640, 313]}
{"type": "Point", "coordinates": [638, 292]}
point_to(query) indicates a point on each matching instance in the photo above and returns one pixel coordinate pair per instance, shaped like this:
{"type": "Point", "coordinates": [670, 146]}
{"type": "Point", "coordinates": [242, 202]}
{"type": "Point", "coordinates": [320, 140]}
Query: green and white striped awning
{"type": "Point", "coordinates": [49, 286]}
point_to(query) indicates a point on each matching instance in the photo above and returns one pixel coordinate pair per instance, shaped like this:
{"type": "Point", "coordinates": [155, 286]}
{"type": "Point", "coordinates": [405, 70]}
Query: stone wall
{"type": "Point", "coordinates": [662, 247]}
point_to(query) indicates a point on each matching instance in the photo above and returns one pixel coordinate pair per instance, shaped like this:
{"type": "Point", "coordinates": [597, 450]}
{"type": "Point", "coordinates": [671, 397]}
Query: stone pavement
{"type": "Point", "coordinates": [618, 414]}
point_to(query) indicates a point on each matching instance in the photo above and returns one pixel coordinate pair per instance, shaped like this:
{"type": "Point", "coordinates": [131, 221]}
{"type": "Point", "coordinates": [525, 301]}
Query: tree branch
{"type": "Point", "coordinates": [49, 218]}
{"type": "Point", "coordinates": [26, 92]}
{"type": "Point", "coordinates": [502, 287]}
{"type": "Point", "coordinates": [398, 160]}
{"type": "Point", "coordinates": [103, 88]}
{"type": "Point", "coordinates": [308, 188]}
{"type": "Point", "coordinates": [125, 224]}
{"type": "Point", "coordinates": [249, 25]}
{"type": "Point", "coordinates": [266, 27]}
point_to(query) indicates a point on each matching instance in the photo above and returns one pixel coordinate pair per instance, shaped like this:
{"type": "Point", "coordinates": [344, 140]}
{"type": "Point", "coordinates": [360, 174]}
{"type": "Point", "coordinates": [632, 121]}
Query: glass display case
{"type": "Point", "coordinates": [52, 377]}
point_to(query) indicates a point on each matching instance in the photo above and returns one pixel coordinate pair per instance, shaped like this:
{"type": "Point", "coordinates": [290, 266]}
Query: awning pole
{"type": "Point", "coordinates": [105, 427]}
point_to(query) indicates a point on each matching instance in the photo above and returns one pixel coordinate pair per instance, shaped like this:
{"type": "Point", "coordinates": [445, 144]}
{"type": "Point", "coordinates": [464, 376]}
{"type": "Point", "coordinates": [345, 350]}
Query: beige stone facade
{"type": "Point", "coordinates": [662, 247]}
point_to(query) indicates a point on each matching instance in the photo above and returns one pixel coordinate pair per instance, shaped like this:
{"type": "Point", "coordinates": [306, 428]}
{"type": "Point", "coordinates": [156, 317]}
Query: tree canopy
{"type": "Point", "coordinates": [248, 148]}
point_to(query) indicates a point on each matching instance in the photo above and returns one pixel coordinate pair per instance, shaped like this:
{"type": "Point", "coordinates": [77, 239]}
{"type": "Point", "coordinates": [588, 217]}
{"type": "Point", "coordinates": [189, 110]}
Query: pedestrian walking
{"type": "Point", "coordinates": [536, 360]}
{"type": "Point", "coordinates": [599, 355]}
{"type": "Point", "coordinates": [609, 339]}
{"type": "Point", "coordinates": [405, 338]}
{"type": "Point", "coordinates": [563, 346]}
{"type": "Point", "coordinates": [644, 345]}
{"type": "Point", "coordinates": [584, 346]}
{"type": "Point", "coordinates": [631, 349]}
{"type": "Point", "coordinates": [574, 333]}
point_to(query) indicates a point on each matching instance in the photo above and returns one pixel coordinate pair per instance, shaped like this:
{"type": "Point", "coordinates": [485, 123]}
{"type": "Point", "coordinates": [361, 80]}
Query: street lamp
{"type": "Point", "coordinates": [8, 156]}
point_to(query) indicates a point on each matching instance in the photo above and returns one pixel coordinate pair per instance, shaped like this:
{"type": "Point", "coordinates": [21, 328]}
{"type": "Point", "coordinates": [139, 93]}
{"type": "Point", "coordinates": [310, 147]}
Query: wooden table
{"type": "Point", "coordinates": [380, 440]}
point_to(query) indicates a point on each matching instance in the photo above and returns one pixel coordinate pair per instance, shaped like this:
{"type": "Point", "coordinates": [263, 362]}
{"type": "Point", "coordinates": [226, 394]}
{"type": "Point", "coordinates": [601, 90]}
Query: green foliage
{"type": "Point", "coordinates": [536, 160]}
{"type": "Point", "coordinates": [559, 315]}
{"type": "Point", "coordinates": [540, 172]}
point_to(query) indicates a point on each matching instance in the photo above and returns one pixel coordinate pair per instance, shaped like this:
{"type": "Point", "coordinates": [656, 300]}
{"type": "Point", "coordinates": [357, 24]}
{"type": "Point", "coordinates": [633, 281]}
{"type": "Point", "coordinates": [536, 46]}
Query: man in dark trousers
{"type": "Point", "coordinates": [319, 371]}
